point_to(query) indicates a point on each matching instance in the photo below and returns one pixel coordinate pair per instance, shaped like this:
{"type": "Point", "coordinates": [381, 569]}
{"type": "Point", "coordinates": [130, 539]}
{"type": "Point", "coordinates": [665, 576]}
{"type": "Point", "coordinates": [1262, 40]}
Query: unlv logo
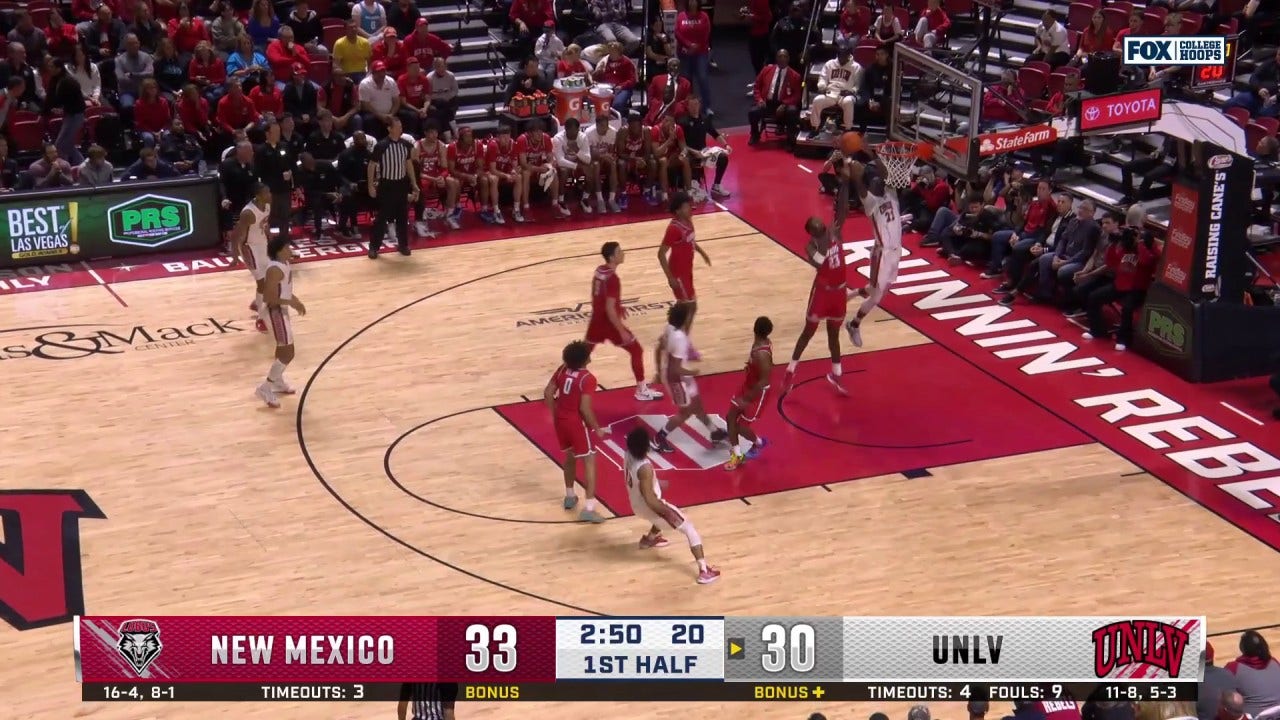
{"type": "Point", "coordinates": [40, 581]}
{"type": "Point", "coordinates": [1151, 643]}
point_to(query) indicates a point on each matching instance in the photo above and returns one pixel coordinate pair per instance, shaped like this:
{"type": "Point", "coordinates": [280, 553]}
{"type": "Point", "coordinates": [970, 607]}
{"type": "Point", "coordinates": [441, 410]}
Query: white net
{"type": "Point", "coordinates": [898, 159]}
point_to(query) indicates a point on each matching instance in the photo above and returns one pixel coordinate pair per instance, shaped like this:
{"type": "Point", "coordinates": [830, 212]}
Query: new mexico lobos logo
{"type": "Point", "coordinates": [40, 582]}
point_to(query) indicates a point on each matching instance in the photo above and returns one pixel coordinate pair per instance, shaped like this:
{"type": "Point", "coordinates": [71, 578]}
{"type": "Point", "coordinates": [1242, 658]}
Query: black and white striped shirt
{"type": "Point", "coordinates": [392, 158]}
{"type": "Point", "coordinates": [429, 701]}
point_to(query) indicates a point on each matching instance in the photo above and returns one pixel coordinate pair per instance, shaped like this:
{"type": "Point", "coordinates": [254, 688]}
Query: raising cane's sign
{"type": "Point", "coordinates": [1139, 106]}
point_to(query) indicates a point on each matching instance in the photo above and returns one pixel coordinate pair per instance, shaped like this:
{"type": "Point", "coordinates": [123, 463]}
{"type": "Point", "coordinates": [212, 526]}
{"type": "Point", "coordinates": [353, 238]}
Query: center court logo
{"type": "Point", "coordinates": [74, 342]}
{"type": "Point", "coordinates": [580, 313]}
{"type": "Point", "coordinates": [1162, 50]}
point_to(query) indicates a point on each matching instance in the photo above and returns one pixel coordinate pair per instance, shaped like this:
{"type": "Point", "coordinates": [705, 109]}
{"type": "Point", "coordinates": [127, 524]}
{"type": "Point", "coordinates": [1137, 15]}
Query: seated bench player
{"type": "Point", "coordinates": [672, 157]}
{"type": "Point", "coordinates": [635, 159]}
{"type": "Point", "coordinates": [433, 176]}
{"type": "Point", "coordinates": [534, 148]}
{"type": "Point", "coordinates": [602, 140]}
{"type": "Point", "coordinates": [573, 161]}
{"type": "Point", "coordinates": [507, 179]}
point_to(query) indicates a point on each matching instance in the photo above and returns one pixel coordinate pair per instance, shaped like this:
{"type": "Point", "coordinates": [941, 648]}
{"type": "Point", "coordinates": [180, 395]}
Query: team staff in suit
{"type": "Point", "coordinates": [777, 95]}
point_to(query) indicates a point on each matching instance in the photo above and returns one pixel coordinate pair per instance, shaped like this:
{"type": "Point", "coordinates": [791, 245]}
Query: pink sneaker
{"type": "Point", "coordinates": [838, 384]}
{"type": "Point", "coordinates": [708, 576]}
{"type": "Point", "coordinates": [694, 355]}
{"type": "Point", "coordinates": [253, 307]}
{"type": "Point", "coordinates": [647, 542]}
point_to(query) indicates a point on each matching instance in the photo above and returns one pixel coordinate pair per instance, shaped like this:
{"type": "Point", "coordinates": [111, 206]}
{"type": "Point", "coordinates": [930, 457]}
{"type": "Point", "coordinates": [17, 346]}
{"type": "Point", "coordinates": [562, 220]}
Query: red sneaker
{"type": "Point", "coordinates": [838, 384]}
{"type": "Point", "coordinates": [253, 306]}
{"type": "Point", "coordinates": [260, 325]}
{"type": "Point", "coordinates": [658, 541]}
{"type": "Point", "coordinates": [708, 576]}
{"type": "Point", "coordinates": [788, 379]}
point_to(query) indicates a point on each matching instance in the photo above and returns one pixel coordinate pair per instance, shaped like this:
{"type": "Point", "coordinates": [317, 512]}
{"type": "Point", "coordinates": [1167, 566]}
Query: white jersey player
{"type": "Point", "coordinates": [645, 493]}
{"type": "Point", "coordinates": [838, 84]}
{"type": "Point", "coordinates": [880, 203]}
{"type": "Point", "coordinates": [277, 295]}
{"type": "Point", "coordinates": [675, 352]}
{"type": "Point", "coordinates": [251, 234]}
{"type": "Point", "coordinates": [602, 141]}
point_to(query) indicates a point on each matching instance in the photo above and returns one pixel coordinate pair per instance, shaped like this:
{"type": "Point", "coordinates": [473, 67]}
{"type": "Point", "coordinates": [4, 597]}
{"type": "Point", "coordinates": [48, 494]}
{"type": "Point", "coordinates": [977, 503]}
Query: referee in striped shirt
{"type": "Point", "coordinates": [391, 184]}
{"type": "Point", "coordinates": [427, 701]}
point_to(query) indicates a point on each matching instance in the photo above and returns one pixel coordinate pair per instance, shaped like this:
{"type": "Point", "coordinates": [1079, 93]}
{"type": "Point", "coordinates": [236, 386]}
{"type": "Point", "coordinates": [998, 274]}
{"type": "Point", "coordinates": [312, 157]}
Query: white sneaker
{"type": "Point", "coordinates": [855, 334]}
{"type": "Point", "coordinates": [719, 192]}
{"type": "Point", "coordinates": [453, 223]}
{"type": "Point", "coordinates": [420, 227]}
{"type": "Point", "coordinates": [546, 178]}
{"type": "Point", "coordinates": [586, 205]}
{"type": "Point", "coordinates": [267, 395]}
{"type": "Point", "coordinates": [517, 215]}
{"type": "Point", "coordinates": [614, 206]}
{"type": "Point", "coordinates": [600, 206]}
{"type": "Point", "coordinates": [645, 393]}
{"type": "Point", "coordinates": [1087, 336]}
{"type": "Point", "coordinates": [1121, 347]}
{"type": "Point", "coordinates": [497, 217]}
{"type": "Point", "coordinates": [282, 388]}
{"type": "Point", "coordinates": [562, 211]}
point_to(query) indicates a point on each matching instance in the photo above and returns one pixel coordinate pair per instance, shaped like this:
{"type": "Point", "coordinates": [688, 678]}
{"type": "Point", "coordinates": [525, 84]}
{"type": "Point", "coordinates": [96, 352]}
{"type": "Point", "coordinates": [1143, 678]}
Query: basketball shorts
{"type": "Point", "coordinates": [670, 516]}
{"type": "Point", "coordinates": [469, 184]}
{"type": "Point", "coordinates": [683, 289]}
{"type": "Point", "coordinates": [574, 437]}
{"type": "Point", "coordinates": [602, 332]}
{"type": "Point", "coordinates": [255, 258]}
{"type": "Point", "coordinates": [884, 267]}
{"type": "Point", "coordinates": [431, 185]}
{"type": "Point", "coordinates": [281, 325]}
{"type": "Point", "coordinates": [749, 403]}
{"type": "Point", "coordinates": [827, 303]}
{"type": "Point", "coordinates": [637, 168]}
{"type": "Point", "coordinates": [683, 390]}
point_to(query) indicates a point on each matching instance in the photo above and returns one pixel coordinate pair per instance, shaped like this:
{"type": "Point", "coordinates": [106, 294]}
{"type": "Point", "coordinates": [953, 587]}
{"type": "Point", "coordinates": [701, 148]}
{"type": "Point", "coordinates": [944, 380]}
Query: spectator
{"type": "Point", "coordinates": [617, 70]}
{"type": "Point", "coordinates": [1231, 706]}
{"type": "Point", "coordinates": [165, 10]}
{"type": "Point", "coordinates": [444, 96]}
{"type": "Point", "coordinates": [96, 171]}
{"type": "Point", "coordinates": [149, 31]}
{"type": "Point", "coordinates": [11, 99]}
{"type": "Point", "coordinates": [1174, 74]}
{"type": "Point", "coordinates": [152, 113]}
{"type": "Point", "coordinates": [1257, 673]}
{"type": "Point", "coordinates": [425, 45]}
{"type": "Point", "coordinates": [658, 50]}
{"type": "Point", "coordinates": [790, 33]}
{"type": "Point", "coordinates": [353, 165]}
{"type": "Point", "coordinates": [1133, 28]}
{"type": "Point", "coordinates": [759, 17]}
{"type": "Point", "coordinates": [104, 36]}
{"type": "Point", "coordinates": [978, 709]}
{"type": "Point", "coordinates": [547, 51]}
{"type": "Point", "coordinates": [263, 24]}
{"type": "Point", "coordinates": [929, 193]}
{"type": "Point", "coordinates": [186, 31]}
{"type": "Point", "coordinates": [290, 137]}
{"type": "Point", "coordinates": [610, 18]}
{"type": "Point", "coordinates": [390, 51]}
{"type": "Point", "coordinates": [326, 142]}
{"type": "Point", "coordinates": [267, 97]}
{"type": "Point", "coordinates": [62, 36]}
{"type": "Point", "coordinates": [307, 29]}
{"type": "Point", "coordinates": [525, 16]}
{"type": "Point", "coordinates": [227, 30]}
{"type": "Point", "coordinates": [970, 236]}
{"type": "Point", "coordinates": [87, 75]}
{"type": "Point", "coordinates": [379, 100]}
{"type": "Point", "coordinates": [931, 29]}
{"type": "Point", "coordinates": [301, 99]}
{"type": "Point", "coordinates": [181, 149]}
{"type": "Point", "coordinates": [1169, 710]}
{"type": "Point", "coordinates": [668, 92]}
{"type": "Point", "coordinates": [246, 64]}
{"type": "Point", "coordinates": [171, 71]}
{"type": "Point", "coordinates": [1097, 272]}
{"type": "Point", "coordinates": [528, 80]}
{"type": "Point", "coordinates": [1097, 37]}
{"type": "Point", "coordinates": [777, 93]}
{"type": "Point", "coordinates": [838, 84]}
{"type": "Point", "coordinates": [84, 11]}
{"type": "Point", "coordinates": [193, 110]}
{"type": "Point", "coordinates": [8, 168]}
{"type": "Point", "coordinates": [1264, 83]}
{"type": "Point", "coordinates": [283, 54]}
{"type": "Point", "coordinates": [236, 178]}
{"type": "Point", "coordinates": [16, 65]}
{"type": "Point", "coordinates": [1107, 710]}
{"type": "Point", "coordinates": [208, 72]}
{"type": "Point", "coordinates": [133, 66]}
{"type": "Point", "coordinates": [415, 96]}
{"type": "Point", "coordinates": [1059, 266]}
{"type": "Point", "coordinates": [696, 127]}
{"type": "Point", "coordinates": [571, 64]}
{"type": "Point", "coordinates": [1152, 167]}
{"type": "Point", "coordinates": [321, 190]}
{"type": "Point", "coordinates": [403, 16]}
{"type": "Point", "coordinates": [887, 30]}
{"type": "Point", "coordinates": [1204, 7]}
{"type": "Point", "coordinates": [873, 99]}
{"type": "Point", "coordinates": [919, 712]}
{"type": "Point", "coordinates": [235, 111]}
{"type": "Point", "coordinates": [50, 171]}
{"type": "Point", "coordinates": [341, 101]}
{"type": "Point", "coordinates": [1031, 229]}
{"type": "Point", "coordinates": [693, 46]}
{"type": "Point", "coordinates": [352, 51]}
{"type": "Point", "coordinates": [274, 162]}
{"type": "Point", "coordinates": [370, 18]}
{"type": "Point", "coordinates": [149, 166]}
{"type": "Point", "coordinates": [31, 37]}
{"type": "Point", "coordinates": [1051, 43]}
{"type": "Point", "coordinates": [65, 96]}
{"type": "Point", "coordinates": [851, 26]}
{"type": "Point", "coordinates": [1023, 267]}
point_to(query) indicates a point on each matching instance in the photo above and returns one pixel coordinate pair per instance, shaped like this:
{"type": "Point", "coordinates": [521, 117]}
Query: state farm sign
{"type": "Point", "coordinates": [1022, 138]}
{"type": "Point", "coordinates": [1140, 106]}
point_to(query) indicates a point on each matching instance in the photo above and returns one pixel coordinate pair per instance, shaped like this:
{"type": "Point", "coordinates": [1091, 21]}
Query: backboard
{"type": "Point", "coordinates": [937, 103]}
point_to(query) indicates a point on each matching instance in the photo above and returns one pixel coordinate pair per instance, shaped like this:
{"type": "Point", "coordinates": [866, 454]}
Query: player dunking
{"type": "Point", "coordinates": [880, 203]}
{"type": "Point", "coordinates": [568, 396]}
{"type": "Point", "coordinates": [645, 493]}
{"type": "Point", "coordinates": [674, 353]}
{"type": "Point", "coordinates": [749, 401]}
{"type": "Point", "coordinates": [828, 300]}
{"type": "Point", "coordinates": [675, 255]}
{"type": "Point", "coordinates": [607, 316]}
{"type": "Point", "coordinates": [277, 295]}
{"type": "Point", "coordinates": [251, 235]}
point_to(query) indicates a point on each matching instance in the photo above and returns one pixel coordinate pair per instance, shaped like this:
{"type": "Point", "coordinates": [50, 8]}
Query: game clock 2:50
{"type": "Point", "coordinates": [633, 634]}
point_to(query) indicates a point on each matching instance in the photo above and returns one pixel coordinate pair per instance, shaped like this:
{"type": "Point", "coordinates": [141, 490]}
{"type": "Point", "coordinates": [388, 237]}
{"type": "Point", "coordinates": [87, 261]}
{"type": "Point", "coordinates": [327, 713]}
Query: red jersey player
{"type": "Point", "coordinates": [568, 396]}
{"type": "Point", "coordinates": [466, 165]}
{"type": "Point", "coordinates": [503, 165]}
{"type": "Point", "coordinates": [671, 153]}
{"type": "Point", "coordinates": [607, 317]}
{"type": "Point", "coordinates": [675, 255]}
{"type": "Point", "coordinates": [433, 174]}
{"type": "Point", "coordinates": [828, 299]}
{"type": "Point", "coordinates": [635, 158]}
{"type": "Point", "coordinates": [749, 400]}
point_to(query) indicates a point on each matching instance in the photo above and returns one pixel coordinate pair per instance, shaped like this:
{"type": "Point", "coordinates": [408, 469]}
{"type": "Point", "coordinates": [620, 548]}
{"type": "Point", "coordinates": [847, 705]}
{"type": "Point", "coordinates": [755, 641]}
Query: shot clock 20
{"type": "Point", "coordinates": [1212, 77]}
{"type": "Point", "coordinates": [645, 659]}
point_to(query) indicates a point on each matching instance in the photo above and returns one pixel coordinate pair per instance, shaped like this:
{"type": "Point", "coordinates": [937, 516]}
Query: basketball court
{"type": "Point", "coordinates": [413, 473]}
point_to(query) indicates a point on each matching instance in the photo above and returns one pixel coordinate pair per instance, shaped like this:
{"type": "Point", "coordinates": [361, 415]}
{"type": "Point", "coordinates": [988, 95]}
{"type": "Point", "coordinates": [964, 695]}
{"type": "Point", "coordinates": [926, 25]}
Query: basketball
{"type": "Point", "coordinates": [851, 143]}
{"type": "Point", "coordinates": [924, 150]}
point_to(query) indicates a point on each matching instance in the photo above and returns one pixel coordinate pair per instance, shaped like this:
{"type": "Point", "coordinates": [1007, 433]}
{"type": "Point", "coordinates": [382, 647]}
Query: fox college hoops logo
{"type": "Point", "coordinates": [1144, 646]}
{"type": "Point", "coordinates": [40, 581]}
{"type": "Point", "coordinates": [139, 643]}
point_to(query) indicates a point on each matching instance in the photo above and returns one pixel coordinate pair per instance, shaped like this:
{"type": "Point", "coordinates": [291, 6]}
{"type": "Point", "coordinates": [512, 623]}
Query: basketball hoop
{"type": "Point", "coordinates": [898, 158]}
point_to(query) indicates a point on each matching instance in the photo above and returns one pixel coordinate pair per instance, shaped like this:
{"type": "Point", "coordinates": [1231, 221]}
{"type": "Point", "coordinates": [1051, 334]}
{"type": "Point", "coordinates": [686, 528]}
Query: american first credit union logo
{"type": "Point", "coordinates": [1164, 50]}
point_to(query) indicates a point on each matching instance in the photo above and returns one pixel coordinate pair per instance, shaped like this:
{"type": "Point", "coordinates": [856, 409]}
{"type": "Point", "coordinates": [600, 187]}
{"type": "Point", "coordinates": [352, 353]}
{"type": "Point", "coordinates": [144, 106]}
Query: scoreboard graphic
{"type": "Point", "coordinates": [661, 659]}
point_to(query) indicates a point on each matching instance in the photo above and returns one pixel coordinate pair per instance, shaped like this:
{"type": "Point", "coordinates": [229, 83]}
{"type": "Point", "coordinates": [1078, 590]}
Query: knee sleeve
{"type": "Point", "coordinates": [691, 533]}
